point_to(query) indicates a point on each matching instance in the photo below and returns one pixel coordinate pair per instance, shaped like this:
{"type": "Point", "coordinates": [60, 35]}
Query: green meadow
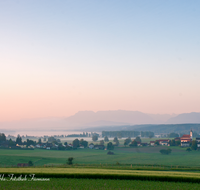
{"type": "Point", "coordinates": [103, 184]}
{"type": "Point", "coordinates": [122, 155]}
{"type": "Point", "coordinates": [100, 171]}
{"type": "Point", "coordinates": [85, 178]}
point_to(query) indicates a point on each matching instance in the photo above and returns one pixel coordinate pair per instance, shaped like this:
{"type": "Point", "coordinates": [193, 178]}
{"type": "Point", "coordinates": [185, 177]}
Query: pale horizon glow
{"type": "Point", "coordinates": [61, 57]}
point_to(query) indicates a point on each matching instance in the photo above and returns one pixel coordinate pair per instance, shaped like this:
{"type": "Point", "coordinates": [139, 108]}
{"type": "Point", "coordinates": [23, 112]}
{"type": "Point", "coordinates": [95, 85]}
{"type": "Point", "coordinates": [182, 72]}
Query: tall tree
{"type": "Point", "coordinates": [83, 143]}
{"type": "Point", "coordinates": [51, 139]}
{"type": "Point", "coordinates": [101, 142]}
{"type": "Point", "coordinates": [172, 142]}
{"type": "Point", "coordinates": [117, 143]}
{"type": "Point", "coordinates": [127, 141]}
{"type": "Point", "coordinates": [95, 138]}
{"type": "Point", "coordinates": [75, 143]}
{"type": "Point", "coordinates": [30, 142]}
{"type": "Point", "coordinates": [115, 139]}
{"type": "Point", "coordinates": [110, 146]}
{"type": "Point", "coordinates": [194, 145]}
{"type": "Point", "coordinates": [69, 160]}
{"type": "Point", "coordinates": [133, 143]}
{"type": "Point", "coordinates": [138, 139]}
{"type": "Point", "coordinates": [106, 139]}
{"type": "Point", "coordinates": [2, 137]}
{"type": "Point", "coordinates": [39, 141]}
{"type": "Point", "coordinates": [11, 143]}
{"type": "Point", "coordinates": [19, 140]}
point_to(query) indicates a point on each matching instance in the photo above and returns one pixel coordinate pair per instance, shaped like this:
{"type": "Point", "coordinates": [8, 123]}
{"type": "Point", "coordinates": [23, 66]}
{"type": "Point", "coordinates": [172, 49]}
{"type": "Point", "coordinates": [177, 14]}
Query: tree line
{"type": "Point", "coordinates": [121, 134]}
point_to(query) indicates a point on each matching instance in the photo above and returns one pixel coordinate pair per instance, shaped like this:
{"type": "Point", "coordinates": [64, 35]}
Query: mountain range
{"type": "Point", "coordinates": [90, 119]}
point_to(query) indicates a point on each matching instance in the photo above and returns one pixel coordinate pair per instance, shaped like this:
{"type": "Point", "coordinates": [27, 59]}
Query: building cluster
{"type": "Point", "coordinates": [185, 141]}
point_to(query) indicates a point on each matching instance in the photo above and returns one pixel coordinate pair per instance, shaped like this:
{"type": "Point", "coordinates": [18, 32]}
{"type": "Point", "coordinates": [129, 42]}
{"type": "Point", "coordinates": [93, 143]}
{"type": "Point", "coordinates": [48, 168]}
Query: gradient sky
{"type": "Point", "coordinates": [61, 57]}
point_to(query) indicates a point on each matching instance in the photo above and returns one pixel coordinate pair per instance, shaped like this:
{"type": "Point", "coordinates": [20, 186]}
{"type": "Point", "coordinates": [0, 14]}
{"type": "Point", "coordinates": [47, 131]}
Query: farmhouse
{"type": "Point", "coordinates": [22, 146]}
{"type": "Point", "coordinates": [100, 147]}
{"type": "Point", "coordinates": [142, 144]}
{"type": "Point", "coordinates": [39, 146]}
{"type": "Point", "coordinates": [91, 145]}
{"type": "Point", "coordinates": [186, 139]}
{"type": "Point", "coordinates": [198, 142]}
{"type": "Point", "coordinates": [152, 143]}
{"type": "Point", "coordinates": [163, 141]}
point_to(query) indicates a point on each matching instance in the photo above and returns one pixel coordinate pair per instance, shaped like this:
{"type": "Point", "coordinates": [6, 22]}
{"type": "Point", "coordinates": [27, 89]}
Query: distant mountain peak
{"type": "Point", "coordinates": [193, 117]}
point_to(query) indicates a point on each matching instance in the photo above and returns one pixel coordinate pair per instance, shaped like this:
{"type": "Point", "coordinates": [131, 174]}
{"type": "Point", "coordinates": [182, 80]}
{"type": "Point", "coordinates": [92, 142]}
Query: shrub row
{"type": "Point", "coordinates": [114, 176]}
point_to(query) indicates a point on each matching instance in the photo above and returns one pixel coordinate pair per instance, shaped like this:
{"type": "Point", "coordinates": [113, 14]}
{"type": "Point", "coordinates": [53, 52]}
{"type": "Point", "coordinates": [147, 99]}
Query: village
{"type": "Point", "coordinates": [52, 143]}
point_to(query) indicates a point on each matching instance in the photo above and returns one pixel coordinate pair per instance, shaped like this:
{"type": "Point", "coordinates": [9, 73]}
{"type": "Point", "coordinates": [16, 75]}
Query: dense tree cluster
{"type": "Point", "coordinates": [127, 141]}
{"type": "Point", "coordinates": [147, 134]}
{"type": "Point", "coordinates": [101, 142]}
{"type": "Point", "coordinates": [174, 143]}
{"type": "Point", "coordinates": [133, 143]}
{"type": "Point", "coordinates": [121, 134]}
{"type": "Point", "coordinates": [138, 140]}
{"type": "Point", "coordinates": [19, 140]}
{"type": "Point", "coordinates": [83, 143]}
{"type": "Point", "coordinates": [173, 135]}
{"type": "Point", "coordinates": [77, 143]}
{"type": "Point", "coordinates": [110, 146]}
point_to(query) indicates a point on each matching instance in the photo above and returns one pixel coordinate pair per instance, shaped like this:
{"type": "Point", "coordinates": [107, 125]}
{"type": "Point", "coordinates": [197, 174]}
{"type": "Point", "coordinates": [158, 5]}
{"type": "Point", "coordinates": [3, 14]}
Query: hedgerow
{"type": "Point", "coordinates": [115, 176]}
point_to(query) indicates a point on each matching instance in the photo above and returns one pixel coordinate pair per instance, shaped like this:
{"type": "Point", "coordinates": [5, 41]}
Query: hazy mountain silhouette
{"type": "Point", "coordinates": [85, 119]}
{"type": "Point", "coordinates": [119, 116]}
{"type": "Point", "coordinates": [106, 123]}
{"type": "Point", "coordinates": [193, 117]}
{"type": "Point", "coordinates": [162, 118]}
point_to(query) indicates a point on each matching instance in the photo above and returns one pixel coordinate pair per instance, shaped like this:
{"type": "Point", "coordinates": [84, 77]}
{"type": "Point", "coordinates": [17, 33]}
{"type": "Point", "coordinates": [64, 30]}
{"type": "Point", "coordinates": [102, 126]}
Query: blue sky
{"type": "Point", "coordinates": [108, 55]}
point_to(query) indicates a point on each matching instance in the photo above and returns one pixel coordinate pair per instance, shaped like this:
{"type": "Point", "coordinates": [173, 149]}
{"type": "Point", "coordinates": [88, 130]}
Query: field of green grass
{"type": "Point", "coordinates": [90, 184]}
{"type": "Point", "coordinates": [140, 156]}
{"type": "Point", "coordinates": [98, 171]}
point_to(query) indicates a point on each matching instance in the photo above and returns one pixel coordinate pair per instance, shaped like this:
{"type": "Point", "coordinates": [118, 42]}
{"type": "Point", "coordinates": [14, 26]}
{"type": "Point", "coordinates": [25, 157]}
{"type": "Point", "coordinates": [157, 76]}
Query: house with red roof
{"type": "Point", "coordinates": [163, 142]}
{"type": "Point", "coordinates": [186, 139]}
{"type": "Point", "coordinates": [152, 143]}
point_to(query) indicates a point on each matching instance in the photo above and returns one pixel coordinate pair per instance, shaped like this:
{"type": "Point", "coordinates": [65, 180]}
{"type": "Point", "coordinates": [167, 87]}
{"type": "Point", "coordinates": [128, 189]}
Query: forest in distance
{"type": "Point", "coordinates": [156, 128]}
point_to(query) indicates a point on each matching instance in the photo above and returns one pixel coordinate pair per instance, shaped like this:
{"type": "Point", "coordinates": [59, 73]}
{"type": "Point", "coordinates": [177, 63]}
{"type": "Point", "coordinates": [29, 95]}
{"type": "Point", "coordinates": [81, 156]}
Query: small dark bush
{"type": "Point", "coordinates": [30, 163]}
{"type": "Point", "coordinates": [69, 160]}
{"type": "Point", "coordinates": [188, 149]}
{"type": "Point", "coordinates": [165, 151]}
{"type": "Point", "coordinates": [110, 153]}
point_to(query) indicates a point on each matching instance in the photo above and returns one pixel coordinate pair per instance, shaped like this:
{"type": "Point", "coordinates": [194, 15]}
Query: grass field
{"type": "Point", "coordinates": [98, 171]}
{"type": "Point", "coordinates": [142, 156]}
{"type": "Point", "coordinates": [90, 184]}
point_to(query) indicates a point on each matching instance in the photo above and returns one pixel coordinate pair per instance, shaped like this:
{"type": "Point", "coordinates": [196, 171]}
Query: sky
{"type": "Point", "coordinates": [61, 57]}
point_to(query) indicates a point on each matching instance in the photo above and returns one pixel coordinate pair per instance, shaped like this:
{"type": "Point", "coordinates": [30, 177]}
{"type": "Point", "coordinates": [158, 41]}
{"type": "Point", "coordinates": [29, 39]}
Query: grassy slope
{"type": "Point", "coordinates": [144, 155]}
